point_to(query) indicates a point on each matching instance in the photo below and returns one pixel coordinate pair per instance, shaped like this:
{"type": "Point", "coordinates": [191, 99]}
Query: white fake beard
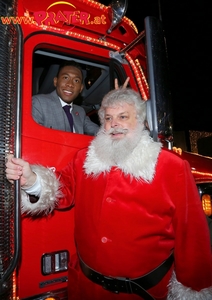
{"type": "Point", "coordinates": [115, 151]}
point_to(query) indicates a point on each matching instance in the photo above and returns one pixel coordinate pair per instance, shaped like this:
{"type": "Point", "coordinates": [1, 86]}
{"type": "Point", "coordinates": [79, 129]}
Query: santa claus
{"type": "Point", "coordinates": [140, 230]}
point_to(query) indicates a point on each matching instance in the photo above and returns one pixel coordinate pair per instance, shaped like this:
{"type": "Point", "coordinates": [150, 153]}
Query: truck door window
{"type": "Point", "coordinates": [95, 80]}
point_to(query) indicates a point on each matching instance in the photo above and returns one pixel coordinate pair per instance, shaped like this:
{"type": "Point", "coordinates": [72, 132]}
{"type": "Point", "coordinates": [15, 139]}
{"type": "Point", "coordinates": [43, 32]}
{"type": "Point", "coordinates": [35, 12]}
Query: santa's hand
{"type": "Point", "coordinates": [124, 85]}
{"type": "Point", "coordinates": [17, 168]}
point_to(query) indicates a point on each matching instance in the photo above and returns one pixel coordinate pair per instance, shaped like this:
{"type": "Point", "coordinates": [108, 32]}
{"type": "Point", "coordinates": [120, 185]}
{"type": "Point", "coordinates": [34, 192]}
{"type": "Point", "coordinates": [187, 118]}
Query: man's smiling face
{"type": "Point", "coordinates": [120, 120]}
{"type": "Point", "coordinates": [68, 83]}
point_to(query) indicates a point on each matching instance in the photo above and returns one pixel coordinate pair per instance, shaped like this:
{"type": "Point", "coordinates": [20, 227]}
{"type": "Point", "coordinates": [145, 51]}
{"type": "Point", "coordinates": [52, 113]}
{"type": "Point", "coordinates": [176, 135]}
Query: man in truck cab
{"type": "Point", "coordinates": [57, 109]}
{"type": "Point", "coordinates": [140, 230]}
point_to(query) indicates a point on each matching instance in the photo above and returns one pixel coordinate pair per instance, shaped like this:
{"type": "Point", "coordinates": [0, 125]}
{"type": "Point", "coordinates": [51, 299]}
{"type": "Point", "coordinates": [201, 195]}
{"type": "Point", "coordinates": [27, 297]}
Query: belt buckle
{"type": "Point", "coordinates": [117, 285]}
{"type": "Point", "coordinates": [109, 284]}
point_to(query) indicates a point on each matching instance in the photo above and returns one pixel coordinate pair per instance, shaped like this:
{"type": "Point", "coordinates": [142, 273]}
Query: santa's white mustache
{"type": "Point", "coordinates": [117, 131]}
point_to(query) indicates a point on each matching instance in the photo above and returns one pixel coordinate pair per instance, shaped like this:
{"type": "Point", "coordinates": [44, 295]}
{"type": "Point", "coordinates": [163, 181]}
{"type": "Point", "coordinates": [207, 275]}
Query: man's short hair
{"type": "Point", "coordinates": [71, 63]}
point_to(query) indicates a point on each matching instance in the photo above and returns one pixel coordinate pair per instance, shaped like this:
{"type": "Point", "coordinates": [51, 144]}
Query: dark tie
{"type": "Point", "coordinates": [69, 116]}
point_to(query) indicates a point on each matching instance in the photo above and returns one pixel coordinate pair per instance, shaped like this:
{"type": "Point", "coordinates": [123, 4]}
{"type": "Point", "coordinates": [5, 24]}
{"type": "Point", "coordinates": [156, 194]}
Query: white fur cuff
{"type": "Point", "coordinates": [49, 193]}
{"type": "Point", "coordinates": [177, 291]}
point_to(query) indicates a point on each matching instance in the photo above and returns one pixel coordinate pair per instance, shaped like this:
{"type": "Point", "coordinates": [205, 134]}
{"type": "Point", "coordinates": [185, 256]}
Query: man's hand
{"type": "Point", "coordinates": [17, 168]}
{"type": "Point", "coordinates": [124, 85]}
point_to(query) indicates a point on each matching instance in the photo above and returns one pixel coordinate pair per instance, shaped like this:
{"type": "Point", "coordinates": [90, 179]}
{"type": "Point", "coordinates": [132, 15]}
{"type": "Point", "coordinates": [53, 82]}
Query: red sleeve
{"type": "Point", "coordinates": [193, 261]}
{"type": "Point", "coordinates": [67, 182]}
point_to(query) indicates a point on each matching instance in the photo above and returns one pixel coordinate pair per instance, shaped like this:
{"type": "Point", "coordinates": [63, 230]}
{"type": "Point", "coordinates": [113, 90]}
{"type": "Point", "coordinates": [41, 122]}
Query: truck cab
{"type": "Point", "coordinates": [36, 38]}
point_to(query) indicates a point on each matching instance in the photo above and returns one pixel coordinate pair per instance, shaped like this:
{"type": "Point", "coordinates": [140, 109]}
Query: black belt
{"type": "Point", "coordinates": [127, 285]}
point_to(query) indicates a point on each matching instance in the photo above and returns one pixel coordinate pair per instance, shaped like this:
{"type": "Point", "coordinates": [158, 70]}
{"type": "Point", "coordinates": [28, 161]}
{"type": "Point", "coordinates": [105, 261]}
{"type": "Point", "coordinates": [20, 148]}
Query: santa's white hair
{"type": "Point", "coordinates": [121, 96]}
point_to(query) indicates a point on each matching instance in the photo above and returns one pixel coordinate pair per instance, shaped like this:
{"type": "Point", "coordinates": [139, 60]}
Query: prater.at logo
{"type": "Point", "coordinates": [57, 12]}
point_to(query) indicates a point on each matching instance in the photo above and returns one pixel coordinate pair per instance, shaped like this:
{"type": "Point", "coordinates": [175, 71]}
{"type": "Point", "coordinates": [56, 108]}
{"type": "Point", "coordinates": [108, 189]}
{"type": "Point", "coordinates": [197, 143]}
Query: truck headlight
{"type": "Point", "coordinates": [205, 192]}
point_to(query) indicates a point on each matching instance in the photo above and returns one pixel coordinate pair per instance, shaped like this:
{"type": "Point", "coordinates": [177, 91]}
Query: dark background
{"type": "Point", "coordinates": [188, 30]}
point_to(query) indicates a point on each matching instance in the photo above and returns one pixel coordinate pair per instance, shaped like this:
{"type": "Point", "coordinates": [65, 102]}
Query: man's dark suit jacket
{"type": "Point", "coordinates": [47, 111]}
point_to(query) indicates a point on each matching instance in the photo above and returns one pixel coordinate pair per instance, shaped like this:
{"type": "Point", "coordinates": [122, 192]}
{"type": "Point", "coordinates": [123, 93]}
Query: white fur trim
{"type": "Point", "coordinates": [140, 165]}
{"type": "Point", "coordinates": [49, 195]}
{"type": "Point", "coordinates": [177, 291]}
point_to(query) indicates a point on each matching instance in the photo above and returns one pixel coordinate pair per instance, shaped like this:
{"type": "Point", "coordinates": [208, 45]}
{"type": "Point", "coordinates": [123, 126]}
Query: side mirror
{"type": "Point", "coordinates": [117, 10]}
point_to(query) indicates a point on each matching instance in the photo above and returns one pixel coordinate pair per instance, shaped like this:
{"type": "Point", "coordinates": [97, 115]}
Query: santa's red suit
{"type": "Point", "coordinates": [129, 219]}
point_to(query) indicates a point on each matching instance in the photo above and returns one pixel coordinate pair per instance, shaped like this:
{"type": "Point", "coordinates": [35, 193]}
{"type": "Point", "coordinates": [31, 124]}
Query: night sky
{"type": "Point", "coordinates": [188, 30]}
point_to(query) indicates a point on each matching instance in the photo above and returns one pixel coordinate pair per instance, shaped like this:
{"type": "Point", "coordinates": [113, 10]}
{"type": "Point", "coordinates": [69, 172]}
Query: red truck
{"type": "Point", "coordinates": [36, 37]}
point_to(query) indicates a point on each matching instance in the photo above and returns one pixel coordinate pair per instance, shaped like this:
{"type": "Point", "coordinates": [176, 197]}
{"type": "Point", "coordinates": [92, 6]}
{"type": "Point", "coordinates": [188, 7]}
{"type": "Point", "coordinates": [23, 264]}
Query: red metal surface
{"type": "Point", "coordinates": [39, 236]}
{"type": "Point", "coordinates": [201, 166]}
{"type": "Point", "coordinates": [81, 15]}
